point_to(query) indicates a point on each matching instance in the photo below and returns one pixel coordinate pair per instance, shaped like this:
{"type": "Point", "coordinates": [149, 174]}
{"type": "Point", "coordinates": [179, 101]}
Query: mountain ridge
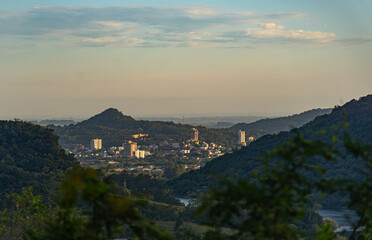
{"type": "Point", "coordinates": [114, 127]}
{"type": "Point", "coordinates": [242, 162]}
{"type": "Point", "coordinates": [278, 124]}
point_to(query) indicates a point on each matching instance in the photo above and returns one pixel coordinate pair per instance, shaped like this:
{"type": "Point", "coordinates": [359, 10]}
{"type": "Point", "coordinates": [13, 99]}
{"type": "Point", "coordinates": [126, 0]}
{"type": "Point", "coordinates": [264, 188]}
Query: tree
{"type": "Point", "coordinates": [27, 212]}
{"type": "Point", "coordinates": [277, 198]}
{"type": "Point", "coordinates": [103, 211]}
{"type": "Point", "coordinates": [173, 171]}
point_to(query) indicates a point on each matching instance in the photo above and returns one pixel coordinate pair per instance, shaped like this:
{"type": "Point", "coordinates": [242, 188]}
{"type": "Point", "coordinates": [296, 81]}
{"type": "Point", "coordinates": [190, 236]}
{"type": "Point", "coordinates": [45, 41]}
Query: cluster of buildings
{"type": "Point", "coordinates": [192, 149]}
{"type": "Point", "coordinates": [129, 148]}
{"type": "Point", "coordinates": [162, 148]}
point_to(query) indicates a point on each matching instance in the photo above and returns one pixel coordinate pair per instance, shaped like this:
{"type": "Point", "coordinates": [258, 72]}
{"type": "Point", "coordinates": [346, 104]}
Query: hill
{"type": "Point", "coordinates": [241, 163]}
{"type": "Point", "coordinates": [113, 127]}
{"type": "Point", "coordinates": [275, 125]}
{"type": "Point", "coordinates": [111, 118]}
{"type": "Point", "coordinates": [30, 157]}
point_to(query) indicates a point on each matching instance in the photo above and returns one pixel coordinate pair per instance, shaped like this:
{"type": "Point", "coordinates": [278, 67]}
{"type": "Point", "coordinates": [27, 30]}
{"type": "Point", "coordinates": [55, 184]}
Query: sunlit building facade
{"type": "Point", "coordinates": [240, 137]}
{"type": "Point", "coordinates": [129, 148]}
{"type": "Point", "coordinates": [95, 144]}
{"type": "Point", "coordinates": [194, 135]}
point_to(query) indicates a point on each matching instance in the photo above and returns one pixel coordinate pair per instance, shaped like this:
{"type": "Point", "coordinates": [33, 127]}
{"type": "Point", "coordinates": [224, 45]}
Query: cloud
{"type": "Point", "coordinates": [151, 26]}
{"type": "Point", "coordinates": [113, 42]}
{"type": "Point", "coordinates": [111, 24]}
{"type": "Point", "coordinates": [271, 30]}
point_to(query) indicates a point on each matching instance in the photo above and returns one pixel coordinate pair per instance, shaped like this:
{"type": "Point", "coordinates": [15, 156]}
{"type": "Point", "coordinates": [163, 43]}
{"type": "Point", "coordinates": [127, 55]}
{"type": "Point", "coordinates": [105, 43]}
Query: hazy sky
{"type": "Point", "coordinates": [174, 57]}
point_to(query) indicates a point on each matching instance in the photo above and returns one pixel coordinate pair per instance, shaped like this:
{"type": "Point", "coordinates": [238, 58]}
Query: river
{"type": "Point", "coordinates": [344, 217]}
{"type": "Point", "coordinates": [185, 200]}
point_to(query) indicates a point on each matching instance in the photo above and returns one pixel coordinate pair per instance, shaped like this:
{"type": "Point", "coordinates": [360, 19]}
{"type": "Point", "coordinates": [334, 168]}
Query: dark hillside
{"type": "Point", "coordinates": [30, 157]}
{"type": "Point", "coordinates": [356, 113]}
{"type": "Point", "coordinates": [110, 118]}
{"type": "Point", "coordinates": [113, 127]}
{"type": "Point", "coordinates": [275, 125]}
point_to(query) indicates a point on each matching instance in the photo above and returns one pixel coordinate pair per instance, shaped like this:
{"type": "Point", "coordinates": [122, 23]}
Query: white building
{"type": "Point", "coordinates": [240, 137]}
{"type": "Point", "coordinates": [95, 144]}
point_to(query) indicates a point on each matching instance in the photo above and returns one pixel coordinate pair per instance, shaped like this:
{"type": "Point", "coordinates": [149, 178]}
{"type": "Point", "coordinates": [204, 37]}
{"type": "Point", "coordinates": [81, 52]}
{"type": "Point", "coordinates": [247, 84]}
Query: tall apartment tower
{"type": "Point", "coordinates": [240, 138]}
{"type": "Point", "coordinates": [194, 134]}
{"type": "Point", "coordinates": [129, 148]}
{"type": "Point", "coordinates": [95, 144]}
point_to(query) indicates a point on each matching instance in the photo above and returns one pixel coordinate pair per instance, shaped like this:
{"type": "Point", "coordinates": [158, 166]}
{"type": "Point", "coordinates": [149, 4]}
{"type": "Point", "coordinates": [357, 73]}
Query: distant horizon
{"type": "Point", "coordinates": [195, 115]}
{"type": "Point", "coordinates": [160, 116]}
{"type": "Point", "coordinates": [137, 114]}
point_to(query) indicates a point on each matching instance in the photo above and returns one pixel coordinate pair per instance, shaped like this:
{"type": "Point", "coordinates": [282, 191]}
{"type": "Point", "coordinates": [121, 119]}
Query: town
{"type": "Point", "coordinates": [139, 155]}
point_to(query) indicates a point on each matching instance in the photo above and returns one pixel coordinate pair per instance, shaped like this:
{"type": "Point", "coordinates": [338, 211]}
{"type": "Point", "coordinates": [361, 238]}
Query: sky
{"type": "Point", "coordinates": [76, 58]}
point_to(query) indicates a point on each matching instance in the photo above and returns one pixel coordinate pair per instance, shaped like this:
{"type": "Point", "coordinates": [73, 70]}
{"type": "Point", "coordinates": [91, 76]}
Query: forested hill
{"type": "Point", "coordinates": [356, 113]}
{"type": "Point", "coordinates": [113, 127]}
{"type": "Point", "coordinates": [111, 118]}
{"type": "Point", "coordinates": [30, 157]}
{"type": "Point", "coordinates": [275, 125]}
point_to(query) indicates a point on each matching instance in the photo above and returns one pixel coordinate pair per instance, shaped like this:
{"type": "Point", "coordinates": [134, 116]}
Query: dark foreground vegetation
{"type": "Point", "coordinates": [30, 156]}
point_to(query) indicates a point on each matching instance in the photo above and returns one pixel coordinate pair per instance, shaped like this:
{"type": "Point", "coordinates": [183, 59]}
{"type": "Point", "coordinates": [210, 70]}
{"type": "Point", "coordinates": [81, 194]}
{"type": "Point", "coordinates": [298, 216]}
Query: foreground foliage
{"type": "Point", "coordinates": [26, 212]}
{"type": "Point", "coordinates": [104, 212]}
{"type": "Point", "coordinates": [272, 205]}
{"type": "Point", "coordinates": [276, 205]}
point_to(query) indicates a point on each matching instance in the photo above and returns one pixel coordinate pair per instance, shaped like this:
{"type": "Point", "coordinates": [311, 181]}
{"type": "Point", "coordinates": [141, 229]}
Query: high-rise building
{"type": "Point", "coordinates": [194, 134]}
{"type": "Point", "coordinates": [129, 148]}
{"type": "Point", "coordinates": [139, 153]}
{"type": "Point", "coordinates": [240, 138]}
{"type": "Point", "coordinates": [95, 144]}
